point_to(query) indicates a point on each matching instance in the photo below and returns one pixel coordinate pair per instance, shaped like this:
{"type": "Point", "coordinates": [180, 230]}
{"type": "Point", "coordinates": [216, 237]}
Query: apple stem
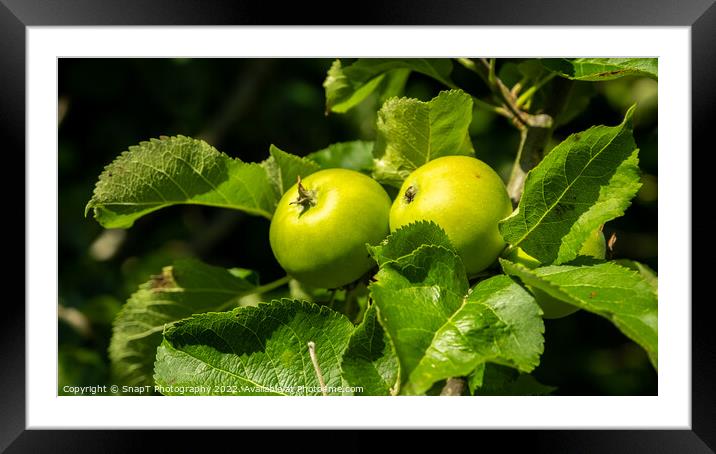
{"type": "Point", "coordinates": [306, 197]}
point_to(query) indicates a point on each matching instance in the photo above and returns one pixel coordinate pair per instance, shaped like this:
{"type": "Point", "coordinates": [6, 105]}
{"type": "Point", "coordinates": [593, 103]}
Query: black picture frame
{"type": "Point", "coordinates": [16, 15]}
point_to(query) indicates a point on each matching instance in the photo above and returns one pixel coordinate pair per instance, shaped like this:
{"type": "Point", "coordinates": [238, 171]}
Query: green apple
{"type": "Point", "coordinates": [321, 225]}
{"type": "Point", "coordinates": [465, 197]}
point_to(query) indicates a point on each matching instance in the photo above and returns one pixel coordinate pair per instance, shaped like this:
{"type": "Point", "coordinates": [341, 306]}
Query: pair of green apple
{"type": "Point", "coordinates": [321, 225]}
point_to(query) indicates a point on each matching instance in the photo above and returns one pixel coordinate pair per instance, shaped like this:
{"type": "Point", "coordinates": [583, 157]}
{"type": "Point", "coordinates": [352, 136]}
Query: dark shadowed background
{"type": "Point", "coordinates": [241, 106]}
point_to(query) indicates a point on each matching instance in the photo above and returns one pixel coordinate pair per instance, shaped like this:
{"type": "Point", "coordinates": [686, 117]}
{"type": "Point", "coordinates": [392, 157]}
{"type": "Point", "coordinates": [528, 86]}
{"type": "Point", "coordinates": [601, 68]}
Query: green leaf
{"type": "Point", "coordinates": [284, 169]}
{"type": "Point", "coordinates": [578, 99]}
{"type": "Point", "coordinates": [531, 70]}
{"type": "Point", "coordinates": [498, 321]}
{"type": "Point", "coordinates": [394, 84]}
{"type": "Point", "coordinates": [407, 239]}
{"type": "Point", "coordinates": [438, 329]}
{"type": "Point", "coordinates": [181, 170]}
{"type": "Point", "coordinates": [370, 361]}
{"type": "Point", "coordinates": [646, 272]}
{"type": "Point", "coordinates": [585, 181]}
{"type": "Point", "coordinates": [254, 350]}
{"type": "Point", "coordinates": [343, 92]}
{"type": "Point", "coordinates": [475, 379]}
{"type": "Point", "coordinates": [596, 69]}
{"type": "Point", "coordinates": [346, 86]}
{"type": "Point", "coordinates": [356, 155]}
{"type": "Point", "coordinates": [499, 380]}
{"type": "Point", "coordinates": [509, 73]}
{"type": "Point", "coordinates": [621, 295]}
{"type": "Point", "coordinates": [527, 72]}
{"type": "Point", "coordinates": [177, 170]}
{"type": "Point", "coordinates": [416, 295]}
{"type": "Point", "coordinates": [412, 132]}
{"type": "Point", "coordinates": [188, 287]}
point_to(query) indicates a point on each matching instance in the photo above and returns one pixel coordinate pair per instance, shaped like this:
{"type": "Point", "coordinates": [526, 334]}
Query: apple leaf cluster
{"type": "Point", "coordinates": [417, 318]}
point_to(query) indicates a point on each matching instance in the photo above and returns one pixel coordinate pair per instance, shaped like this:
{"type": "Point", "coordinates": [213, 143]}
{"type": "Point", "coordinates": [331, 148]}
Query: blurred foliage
{"type": "Point", "coordinates": [241, 106]}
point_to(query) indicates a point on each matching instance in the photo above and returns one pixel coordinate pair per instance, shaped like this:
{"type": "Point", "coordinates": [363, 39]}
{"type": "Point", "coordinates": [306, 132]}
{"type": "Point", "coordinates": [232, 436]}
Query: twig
{"type": "Point", "coordinates": [486, 70]}
{"type": "Point", "coordinates": [511, 104]}
{"type": "Point", "coordinates": [453, 387]}
{"type": "Point", "coordinates": [316, 367]}
{"type": "Point", "coordinates": [535, 137]}
{"type": "Point", "coordinates": [532, 141]}
{"type": "Point", "coordinates": [535, 129]}
{"type": "Point", "coordinates": [491, 107]}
